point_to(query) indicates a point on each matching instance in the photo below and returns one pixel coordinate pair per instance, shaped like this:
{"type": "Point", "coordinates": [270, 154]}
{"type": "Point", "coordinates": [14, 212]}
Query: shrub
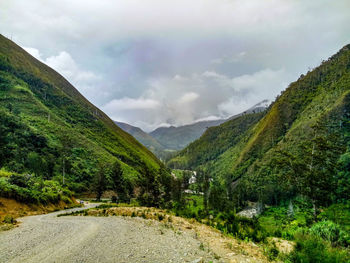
{"type": "Point", "coordinates": [310, 249]}
{"type": "Point", "coordinates": [331, 232]}
{"type": "Point", "coordinates": [114, 199]}
{"type": "Point", "coordinates": [9, 219]}
{"type": "Point", "coordinates": [4, 173]}
{"type": "Point", "coordinates": [18, 180]}
{"type": "Point", "coordinates": [271, 251]}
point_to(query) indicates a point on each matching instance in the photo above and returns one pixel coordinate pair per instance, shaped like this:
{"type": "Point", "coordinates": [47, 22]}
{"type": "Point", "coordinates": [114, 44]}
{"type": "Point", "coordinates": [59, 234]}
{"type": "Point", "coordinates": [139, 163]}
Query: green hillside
{"type": "Point", "coordinates": [260, 154]}
{"type": "Point", "coordinates": [48, 129]}
{"type": "Point", "coordinates": [207, 150]}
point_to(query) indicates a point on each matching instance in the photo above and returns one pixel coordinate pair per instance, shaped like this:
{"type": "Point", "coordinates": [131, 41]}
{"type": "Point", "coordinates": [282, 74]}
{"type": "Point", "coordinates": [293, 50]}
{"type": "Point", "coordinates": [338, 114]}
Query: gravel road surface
{"type": "Point", "coordinates": [48, 238]}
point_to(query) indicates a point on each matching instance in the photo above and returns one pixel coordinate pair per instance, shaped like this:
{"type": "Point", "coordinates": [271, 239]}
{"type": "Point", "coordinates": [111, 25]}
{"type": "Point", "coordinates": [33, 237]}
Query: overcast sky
{"type": "Point", "coordinates": [162, 62]}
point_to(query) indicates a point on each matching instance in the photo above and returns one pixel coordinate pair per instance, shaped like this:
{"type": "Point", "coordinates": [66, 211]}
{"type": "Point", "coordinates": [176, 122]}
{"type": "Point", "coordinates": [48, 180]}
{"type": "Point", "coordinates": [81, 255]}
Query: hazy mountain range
{"type": "Point", "coordinates": [168, 139]}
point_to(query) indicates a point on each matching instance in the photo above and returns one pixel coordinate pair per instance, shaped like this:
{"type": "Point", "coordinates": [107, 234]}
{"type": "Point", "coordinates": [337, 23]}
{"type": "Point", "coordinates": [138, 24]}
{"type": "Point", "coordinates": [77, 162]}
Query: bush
{"type": "Point", "coordinates": [312, 249]}
{"type": "Point", "coordinates": [331, 232]}
{"type": "Point", "coordinates": [19, 180]}
{"type": "Point", "coordinates": [9, 219]}
{"type": "Point", "coordinates": [114, 199]}
{"type": "Point", "coordinates": [240, 227]}
{"type": "Point", "coordinates": [4, 173]}
{"type": "Point", "coordinates": [271, 251]}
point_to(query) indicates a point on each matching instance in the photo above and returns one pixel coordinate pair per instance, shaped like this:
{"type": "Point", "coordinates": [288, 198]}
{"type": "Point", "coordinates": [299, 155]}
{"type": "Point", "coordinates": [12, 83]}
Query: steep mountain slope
{"type": "Point", "coordinates": [143, 137]}
{"type": "Point", "coordinates": [46, 122]}
{"type": "Point", "coordinates": [176, 138]}
{"type": "Point", "coordinates": [309, 118]}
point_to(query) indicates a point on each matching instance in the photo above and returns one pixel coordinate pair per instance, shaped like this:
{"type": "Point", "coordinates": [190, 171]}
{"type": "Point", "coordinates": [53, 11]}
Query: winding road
{"type": "Point", "coordinates": [48, 238]}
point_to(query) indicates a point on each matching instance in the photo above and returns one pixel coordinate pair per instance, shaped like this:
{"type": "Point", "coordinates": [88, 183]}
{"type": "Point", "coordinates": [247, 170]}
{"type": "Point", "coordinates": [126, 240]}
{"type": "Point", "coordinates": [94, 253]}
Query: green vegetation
{"type": "Point", "coordinates": [53, 141]}
{"type": "Point", "coordinates": [310, 248]}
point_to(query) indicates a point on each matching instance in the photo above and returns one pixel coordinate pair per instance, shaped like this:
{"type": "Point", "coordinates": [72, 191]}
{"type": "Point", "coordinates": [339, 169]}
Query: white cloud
{"type": "Point", "coordinates": [131, 104]}
{"type": "Point", "coordinates": [188, 98]}
{"type": "Point", "coordinates": [168, 101]}
{"type": "Point", "coordinates": [209, 118]}
{"type": "Point", "coordinates": [65, 64]}
{"type": "Point", "coordinates": [34, 52]}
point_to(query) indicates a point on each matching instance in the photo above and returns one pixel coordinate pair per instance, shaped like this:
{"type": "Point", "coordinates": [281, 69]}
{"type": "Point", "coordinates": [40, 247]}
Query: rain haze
{"type": "Point", "coordinates": [160, 63]}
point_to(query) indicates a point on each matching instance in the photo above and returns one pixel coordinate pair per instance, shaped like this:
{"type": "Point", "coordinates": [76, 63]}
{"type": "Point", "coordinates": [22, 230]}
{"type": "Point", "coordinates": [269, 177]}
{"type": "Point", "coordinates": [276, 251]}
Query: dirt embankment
{"type": "Point", "coordinates": [10, 208]}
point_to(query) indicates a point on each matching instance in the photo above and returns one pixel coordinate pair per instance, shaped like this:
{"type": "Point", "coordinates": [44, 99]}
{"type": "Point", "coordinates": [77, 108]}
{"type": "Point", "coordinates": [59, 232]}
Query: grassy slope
{"type": "Point", "coordinates": [70, 113]}
{"type": "Point", "coordinates": [322, 96]}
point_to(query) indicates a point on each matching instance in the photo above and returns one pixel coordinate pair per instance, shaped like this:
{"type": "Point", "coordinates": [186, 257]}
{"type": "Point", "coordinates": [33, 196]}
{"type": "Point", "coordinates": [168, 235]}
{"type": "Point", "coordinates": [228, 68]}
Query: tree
{"type": "Point", "coordinates": [100, 181]}
{"type": "Point", "coordinates": [217, 197]}
{"type": "Point", "coordinates": [119, 184]}
{"type": "Point", "coordinates": [65, 150]}
{"type": "Point", "coordinates": [35, 163]}
{"type": "Point", "coordinates": [149, 188]}
{"type": "Point", "coordinates": [312, 169]}
{"type": "Point", "coordinates": [205, 187]}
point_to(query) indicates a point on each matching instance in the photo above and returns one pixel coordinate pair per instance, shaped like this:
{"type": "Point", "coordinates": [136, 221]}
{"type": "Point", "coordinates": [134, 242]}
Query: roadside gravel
{"type": "Point", "coordinates": [48, 238]}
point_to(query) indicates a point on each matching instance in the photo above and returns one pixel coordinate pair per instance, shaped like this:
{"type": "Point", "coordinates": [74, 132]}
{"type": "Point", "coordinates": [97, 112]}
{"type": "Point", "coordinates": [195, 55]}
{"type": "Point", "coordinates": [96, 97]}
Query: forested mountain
{"type": "Point", "coordinates": [177, 138]}
{"type": "Point", "coordinates": [49, 131]}
{"type": "Point", "coordinates": [299, 146]}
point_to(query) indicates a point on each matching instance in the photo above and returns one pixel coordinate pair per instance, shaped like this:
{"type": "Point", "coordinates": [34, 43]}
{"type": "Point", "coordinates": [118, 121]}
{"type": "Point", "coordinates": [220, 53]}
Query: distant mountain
{"type": "Point", "coordinates": [177, 138]}
{"type": "Point", "coordinates": [143, 137]}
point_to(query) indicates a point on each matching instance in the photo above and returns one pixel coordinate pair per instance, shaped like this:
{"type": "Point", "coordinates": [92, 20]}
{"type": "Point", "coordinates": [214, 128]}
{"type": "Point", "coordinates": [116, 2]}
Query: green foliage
{"type": "Point", "coordinates": [8, 219]}
{"type": "Point", "coordinates": [5, 173]}
{"type": "Point", "coordinates": [33, 190]}
{"type": "Point", "coordinates": [331, 232]}
{"type": "Point", "coordinates": [218, 139]}
{"type": "Point", "coordinates": [240, 227]}
{"type": "Point", "coordinates": [338, 213]}
{"type": "Point", "coordinates": [311, 249]}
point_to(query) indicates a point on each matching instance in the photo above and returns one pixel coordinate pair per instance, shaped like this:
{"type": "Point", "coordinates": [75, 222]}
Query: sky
{"type": "Point", "coordinates": [160, 62]}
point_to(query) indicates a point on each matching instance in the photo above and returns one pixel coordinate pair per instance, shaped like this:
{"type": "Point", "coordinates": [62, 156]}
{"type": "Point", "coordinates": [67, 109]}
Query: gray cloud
{"type": "Point", "coordinates": [159, 62]}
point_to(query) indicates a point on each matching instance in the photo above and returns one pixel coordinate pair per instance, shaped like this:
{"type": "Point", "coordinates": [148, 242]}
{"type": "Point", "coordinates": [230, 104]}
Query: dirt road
{"type": "Point", "coordinates": [48, 238]}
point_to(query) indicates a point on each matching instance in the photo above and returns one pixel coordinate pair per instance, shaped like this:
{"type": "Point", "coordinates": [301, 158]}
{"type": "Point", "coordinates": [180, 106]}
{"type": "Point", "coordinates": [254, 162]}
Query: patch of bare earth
{"type": "Point", "coordinates": [15, 209]}
{"type": "Point", "coordinates": [225, 248]}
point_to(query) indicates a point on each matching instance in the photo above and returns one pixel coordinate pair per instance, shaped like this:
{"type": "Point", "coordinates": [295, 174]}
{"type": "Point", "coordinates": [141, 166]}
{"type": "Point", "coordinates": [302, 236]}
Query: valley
{"type": "Point", "coordinates": [240, 150]}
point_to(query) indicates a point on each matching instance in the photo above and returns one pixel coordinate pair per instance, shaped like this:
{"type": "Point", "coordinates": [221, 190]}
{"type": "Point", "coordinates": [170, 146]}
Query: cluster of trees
{"type": "Point", "coordinates": [151, 188]}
